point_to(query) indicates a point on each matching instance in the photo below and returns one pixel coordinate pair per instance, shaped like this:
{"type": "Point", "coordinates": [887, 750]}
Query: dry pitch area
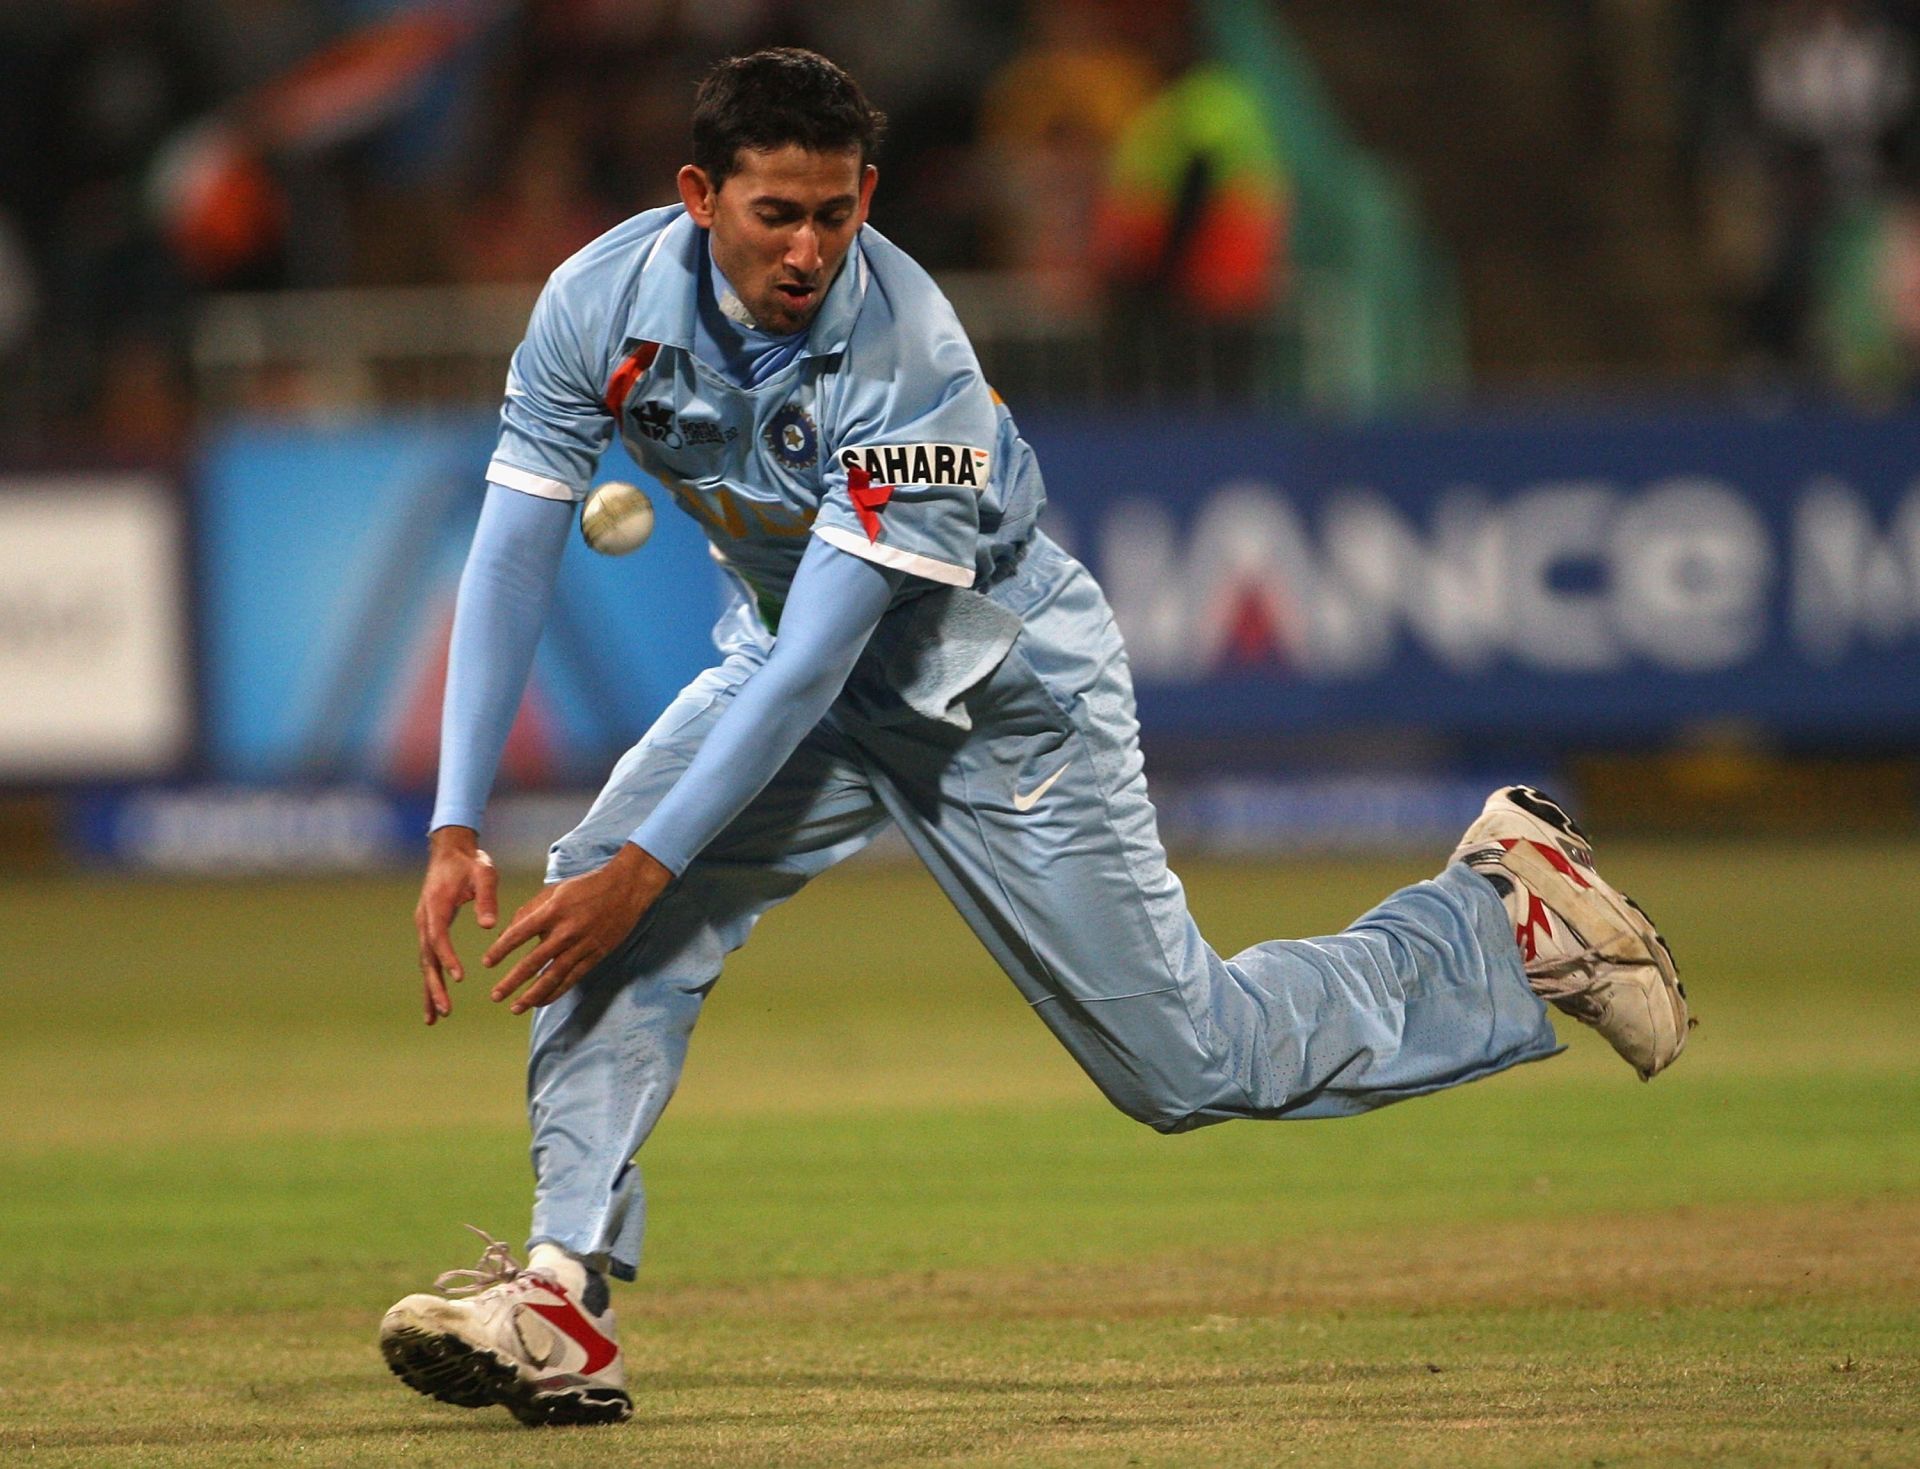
{"type": "Point", "coordinates": [893, 1225]}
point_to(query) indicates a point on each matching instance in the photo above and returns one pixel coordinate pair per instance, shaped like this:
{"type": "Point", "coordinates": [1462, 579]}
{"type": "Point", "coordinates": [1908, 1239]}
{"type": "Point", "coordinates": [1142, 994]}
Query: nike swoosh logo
{"type": "Point", "coordinates": [1026, 802]}
{"type": "Point", "coordinates": [569, 1318]}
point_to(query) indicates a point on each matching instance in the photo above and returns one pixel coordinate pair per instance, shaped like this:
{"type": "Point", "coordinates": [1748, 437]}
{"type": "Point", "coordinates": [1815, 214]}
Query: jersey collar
{"type": "Point", "coordinates": [666, 296]}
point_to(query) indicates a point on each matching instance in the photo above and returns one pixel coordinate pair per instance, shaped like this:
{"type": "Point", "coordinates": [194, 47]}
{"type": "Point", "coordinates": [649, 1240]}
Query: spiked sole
{"type": "Point", "coordinates": [576, 1406]}
{"type": "Point", "coordinates": [449, 1370]}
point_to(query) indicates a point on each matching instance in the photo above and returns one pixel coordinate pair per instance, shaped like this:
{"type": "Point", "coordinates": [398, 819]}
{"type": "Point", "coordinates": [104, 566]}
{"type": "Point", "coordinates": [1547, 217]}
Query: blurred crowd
{"type": "Point", "coordinates": [153, 151]}
{"type": "Point", "coordinates": [1807, 140]}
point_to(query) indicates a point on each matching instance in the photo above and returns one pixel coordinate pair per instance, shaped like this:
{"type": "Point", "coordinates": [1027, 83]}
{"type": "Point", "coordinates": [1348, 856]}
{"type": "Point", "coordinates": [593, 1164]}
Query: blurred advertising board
{"type": "Point", "coordinates": [96, 677]}
{"type": "Point", "coordinates": [234, 830]}
{"type": "Point", "coordinates": [1560, 579]}
{"type": "Point", "coordinates": [1501, 584]}
{"type": "Point", "coordinates": [329, 563]}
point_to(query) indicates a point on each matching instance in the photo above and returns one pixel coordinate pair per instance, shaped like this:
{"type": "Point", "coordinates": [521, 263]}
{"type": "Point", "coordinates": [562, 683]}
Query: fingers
{"type": "Point", "coordinates": [551, 977]}
{"type": "Point", "coordinates": [576, 927]}
{"type": "Point", "coordinates": [486, 893]}
{"type": "Point", "coordinates": [530, 920]}
{"type": "Point", "coordinates": [434, 994]}
{"type": "Point", "coordinates": [437, 959]}
{"type": "Point", "coordinates": [559, 977]}
{"type": "Point", "coordinates": [552, 965]}
{"type": "Point", "coordinates": [563, 955]}
{"type": "Point", "coordinates": [525, 970]}
{"type": "Point", "coordinates": [558, 980]}
{"type": "Point", "coordinates": [433, 984]}
{"type": "Point", "coordinates": [441, 944]}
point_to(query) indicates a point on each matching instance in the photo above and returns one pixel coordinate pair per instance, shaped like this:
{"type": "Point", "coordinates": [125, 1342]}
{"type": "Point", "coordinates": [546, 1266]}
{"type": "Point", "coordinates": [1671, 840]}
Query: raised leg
{"type": "Point", "coordinates": [1036, 823]}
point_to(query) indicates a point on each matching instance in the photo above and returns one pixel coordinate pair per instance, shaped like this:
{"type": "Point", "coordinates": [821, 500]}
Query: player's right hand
{"type": "Point", "coordinates": [457, 872]}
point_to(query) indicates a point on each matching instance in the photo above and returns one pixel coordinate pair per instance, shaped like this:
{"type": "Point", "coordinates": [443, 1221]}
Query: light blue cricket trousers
{"type": "Point", "coordinates": [1071, 895]}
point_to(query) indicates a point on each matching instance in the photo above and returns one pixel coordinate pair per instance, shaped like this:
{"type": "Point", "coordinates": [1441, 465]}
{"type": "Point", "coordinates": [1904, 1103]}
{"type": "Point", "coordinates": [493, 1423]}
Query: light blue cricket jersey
{"type": "Point", "coordinates": [882, 437]}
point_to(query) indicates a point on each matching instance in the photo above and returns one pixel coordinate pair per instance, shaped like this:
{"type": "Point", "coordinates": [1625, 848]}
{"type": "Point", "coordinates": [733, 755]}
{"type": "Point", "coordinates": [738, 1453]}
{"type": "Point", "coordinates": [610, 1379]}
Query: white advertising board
{"type": "Point", "coordinates": [94, 662]}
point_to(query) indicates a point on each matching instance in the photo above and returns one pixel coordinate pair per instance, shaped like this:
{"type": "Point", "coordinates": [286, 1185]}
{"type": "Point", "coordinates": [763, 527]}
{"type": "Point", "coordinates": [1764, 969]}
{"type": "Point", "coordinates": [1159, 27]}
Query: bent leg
{"type": "Point", "coordinates": [1037, 825]}
{"type": "Point", "coordinates": [1423, 992]}
{"type": "Point", "coordinates": [606, 1057]}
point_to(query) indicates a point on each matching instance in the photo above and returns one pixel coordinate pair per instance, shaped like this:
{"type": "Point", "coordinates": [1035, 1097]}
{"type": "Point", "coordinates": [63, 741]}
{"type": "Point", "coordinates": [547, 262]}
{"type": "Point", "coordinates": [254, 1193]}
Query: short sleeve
{"type": "Point", "coordinates": [553, 425]}
{"type": "Point", "coordinates": [907, 464]}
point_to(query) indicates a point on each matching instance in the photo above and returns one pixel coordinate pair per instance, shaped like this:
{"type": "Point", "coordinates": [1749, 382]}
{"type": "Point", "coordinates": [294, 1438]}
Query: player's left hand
{"type": "Point", "coordinates": [578, 922]}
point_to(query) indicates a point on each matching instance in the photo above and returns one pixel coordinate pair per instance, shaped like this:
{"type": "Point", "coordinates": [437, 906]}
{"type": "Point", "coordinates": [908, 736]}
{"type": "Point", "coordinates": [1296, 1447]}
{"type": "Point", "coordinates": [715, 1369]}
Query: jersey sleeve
{"type": "Point", "coordinates": [553, 425]}
{"type": "Point", "coordinates": [907, 462]}
{"type": "Point", "coordinates": [837, 602]}
{"type": "Point", "coordinates": [505, 591]}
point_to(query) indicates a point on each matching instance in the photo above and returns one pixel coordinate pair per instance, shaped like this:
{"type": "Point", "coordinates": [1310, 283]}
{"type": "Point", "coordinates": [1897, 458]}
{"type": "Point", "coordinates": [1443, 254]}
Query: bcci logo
{"type": "Point", "coordinates": [791, 436]}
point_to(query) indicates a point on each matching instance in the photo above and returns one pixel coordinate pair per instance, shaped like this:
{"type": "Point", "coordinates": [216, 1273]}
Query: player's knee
{"type": "Point", "coordinates": [1135, 1054]}
{"type": "Point", "coordinates": [1163, 1112]}
{"type": "Point", "coordinates": [1168, 1123]}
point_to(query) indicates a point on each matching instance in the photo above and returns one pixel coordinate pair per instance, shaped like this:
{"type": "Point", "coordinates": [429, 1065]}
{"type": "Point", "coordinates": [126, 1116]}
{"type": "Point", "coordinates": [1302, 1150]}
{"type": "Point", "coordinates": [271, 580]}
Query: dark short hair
{"type": "Point", "coordinates": [775, 97]}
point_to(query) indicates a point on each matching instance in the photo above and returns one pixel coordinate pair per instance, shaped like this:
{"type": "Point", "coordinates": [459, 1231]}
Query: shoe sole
{"type": "Point", "coordinates": [570, 1409]}
{"type": "Point", "coordinates": [447, 1369]}
{"type": "Point", "coordinates": [1597, 908]}
{"type": "Point", "coordinates": [441, 1366]}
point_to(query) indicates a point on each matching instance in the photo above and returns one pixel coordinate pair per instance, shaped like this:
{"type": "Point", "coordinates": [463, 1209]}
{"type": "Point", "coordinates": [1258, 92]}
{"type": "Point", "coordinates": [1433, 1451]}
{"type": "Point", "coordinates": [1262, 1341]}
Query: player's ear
{"type": "Point", "coordinates": [698, 193]}
{"type": "Point", "coordinates": [868, 177]}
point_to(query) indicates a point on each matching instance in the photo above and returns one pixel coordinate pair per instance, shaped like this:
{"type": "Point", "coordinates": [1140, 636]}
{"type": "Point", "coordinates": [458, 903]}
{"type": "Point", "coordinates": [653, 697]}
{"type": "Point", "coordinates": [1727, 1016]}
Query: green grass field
{"type": "Point", "coordinates": [893, 1224]}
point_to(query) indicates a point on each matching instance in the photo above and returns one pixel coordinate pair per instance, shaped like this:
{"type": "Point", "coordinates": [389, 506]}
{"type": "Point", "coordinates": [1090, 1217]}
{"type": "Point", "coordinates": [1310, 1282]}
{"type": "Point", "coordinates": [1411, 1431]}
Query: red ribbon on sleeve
{"type": "Point", "coordinates": [868, 498]}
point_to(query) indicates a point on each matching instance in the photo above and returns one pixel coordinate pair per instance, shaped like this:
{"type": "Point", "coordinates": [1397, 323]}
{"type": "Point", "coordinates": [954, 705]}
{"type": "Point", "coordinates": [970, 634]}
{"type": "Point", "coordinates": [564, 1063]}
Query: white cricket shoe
{"type": "Point", "coordinates": [1588, 949]}
{"type": "Point", "coordinates": [520, 1338]}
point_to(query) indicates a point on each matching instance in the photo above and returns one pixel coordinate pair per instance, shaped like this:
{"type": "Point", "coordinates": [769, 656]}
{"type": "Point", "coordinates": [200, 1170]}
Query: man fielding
{"type": "Point", "coordinates": [902, 645]}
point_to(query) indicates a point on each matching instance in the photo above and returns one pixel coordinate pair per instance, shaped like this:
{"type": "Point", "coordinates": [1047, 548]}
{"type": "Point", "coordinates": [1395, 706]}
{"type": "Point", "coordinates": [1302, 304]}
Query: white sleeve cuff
{"type": "Point", "coordinates": [856, 544]}
{"type": "Point", "coordinates": [515, 478]}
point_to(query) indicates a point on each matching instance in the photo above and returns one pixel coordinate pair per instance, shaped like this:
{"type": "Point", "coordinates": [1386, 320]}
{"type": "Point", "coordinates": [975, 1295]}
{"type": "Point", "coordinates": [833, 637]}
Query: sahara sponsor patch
{"type": "Point", "coordinates": [919, 464]}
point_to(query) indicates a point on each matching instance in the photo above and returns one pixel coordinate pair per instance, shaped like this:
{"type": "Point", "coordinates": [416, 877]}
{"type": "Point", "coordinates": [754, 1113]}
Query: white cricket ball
{"type": "Point", "coordinates": [617, 519]}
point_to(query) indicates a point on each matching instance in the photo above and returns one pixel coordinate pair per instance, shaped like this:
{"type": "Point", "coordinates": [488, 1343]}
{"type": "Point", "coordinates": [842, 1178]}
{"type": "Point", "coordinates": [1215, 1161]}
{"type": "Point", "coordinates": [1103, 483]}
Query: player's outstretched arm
{"type": "Point", "coordinates": [835, 603]}
{"type": "Point", "coordinates": [504, 595]}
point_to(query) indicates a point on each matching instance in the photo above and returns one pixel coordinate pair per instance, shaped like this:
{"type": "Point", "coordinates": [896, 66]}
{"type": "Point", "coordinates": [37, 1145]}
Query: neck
{"type": "Point", "coordinates": [733, 308]}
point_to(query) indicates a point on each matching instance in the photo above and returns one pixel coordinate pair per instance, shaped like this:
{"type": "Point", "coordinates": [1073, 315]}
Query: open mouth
{"type": "Point", "coordinates": [794, 293]}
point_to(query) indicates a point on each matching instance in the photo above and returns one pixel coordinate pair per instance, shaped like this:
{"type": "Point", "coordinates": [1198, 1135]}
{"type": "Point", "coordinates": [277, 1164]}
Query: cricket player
{"type": "Point", "coordinates": [901, 645]}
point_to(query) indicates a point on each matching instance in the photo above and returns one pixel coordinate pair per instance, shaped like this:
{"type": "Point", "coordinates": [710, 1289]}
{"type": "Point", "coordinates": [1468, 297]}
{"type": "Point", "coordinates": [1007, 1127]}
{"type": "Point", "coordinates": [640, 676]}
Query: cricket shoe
{"type": "Point", "coordinates": [513, 1336]}
{"type": "Point", "coordinates": [1588, 949]}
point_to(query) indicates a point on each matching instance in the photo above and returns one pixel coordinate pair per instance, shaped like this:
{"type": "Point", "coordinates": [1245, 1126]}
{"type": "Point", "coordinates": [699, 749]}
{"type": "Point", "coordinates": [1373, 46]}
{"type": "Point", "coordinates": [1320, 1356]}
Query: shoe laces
{"type": "Point", "coordinates": [1570, 980]}
{"type": "Point", "coordinates": [497, 1267]}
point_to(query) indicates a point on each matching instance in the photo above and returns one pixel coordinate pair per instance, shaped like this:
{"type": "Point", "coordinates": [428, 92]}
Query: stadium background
{"type": "Point", "coordinates": [1445, 393]}
{"type": "Point", "coordinates": [1573, 428]}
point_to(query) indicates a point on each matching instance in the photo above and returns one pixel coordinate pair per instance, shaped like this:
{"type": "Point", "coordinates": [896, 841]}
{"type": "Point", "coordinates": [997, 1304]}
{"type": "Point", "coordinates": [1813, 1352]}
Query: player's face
{"type": "Point", "coordinates": [780, 226]}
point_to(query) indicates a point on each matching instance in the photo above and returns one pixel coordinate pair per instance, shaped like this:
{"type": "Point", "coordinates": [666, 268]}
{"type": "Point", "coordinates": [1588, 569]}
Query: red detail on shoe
{"type": "Point", "coordinates": [1527, 935]}
{"type": "Point", "coordinates": [868, 499]}
{"type": "Point", "coordinates": [1560, 863]}
{"type": "Point", "coordinates": [599, 1347]}
{"type": "Point", "coordinates": [1556, 858]}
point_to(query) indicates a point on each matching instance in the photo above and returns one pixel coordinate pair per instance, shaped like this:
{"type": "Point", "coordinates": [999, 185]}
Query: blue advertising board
{"type": "Point", "coordinates": [328, 560]}
{"type": "Point", "coordinates": [1559, 580]}
{"type": "Point", "coordinates": [1567, 580]}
